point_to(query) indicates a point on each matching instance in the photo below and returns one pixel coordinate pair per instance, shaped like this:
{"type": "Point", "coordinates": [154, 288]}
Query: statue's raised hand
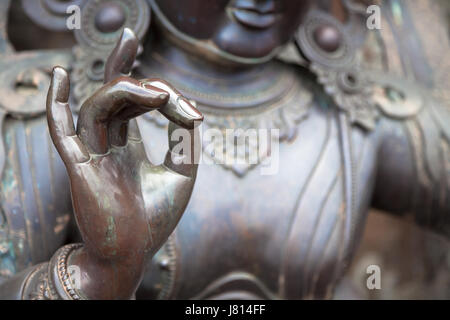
{"type": "Point", "coordinates": [125, 206]}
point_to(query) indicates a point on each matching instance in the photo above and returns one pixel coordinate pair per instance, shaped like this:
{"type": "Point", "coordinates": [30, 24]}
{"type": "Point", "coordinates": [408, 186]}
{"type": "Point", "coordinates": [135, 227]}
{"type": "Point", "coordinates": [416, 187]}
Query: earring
{"type": "Point", "coordinates": [328, 48]}
{"type": "Point", "coordinates": [102, 22]}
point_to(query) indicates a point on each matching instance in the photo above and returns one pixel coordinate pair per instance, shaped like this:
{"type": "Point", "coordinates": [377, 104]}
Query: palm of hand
{"type": "Point", "coordinates": [125, 206]}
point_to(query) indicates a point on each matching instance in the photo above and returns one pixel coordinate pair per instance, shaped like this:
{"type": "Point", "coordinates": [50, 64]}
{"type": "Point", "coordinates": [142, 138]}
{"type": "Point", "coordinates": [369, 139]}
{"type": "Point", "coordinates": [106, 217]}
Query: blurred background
{"type": "Point", "coordinates": [414, 263]}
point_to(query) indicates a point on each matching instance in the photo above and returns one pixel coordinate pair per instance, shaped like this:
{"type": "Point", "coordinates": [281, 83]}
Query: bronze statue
{"type": "Point", "coordinates": [148, 225]}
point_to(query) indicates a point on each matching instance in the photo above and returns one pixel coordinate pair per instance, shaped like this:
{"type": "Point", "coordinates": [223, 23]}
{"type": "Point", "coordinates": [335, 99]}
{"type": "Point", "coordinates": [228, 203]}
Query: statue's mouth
{"type": "Point", "coordinates": [254, 17]}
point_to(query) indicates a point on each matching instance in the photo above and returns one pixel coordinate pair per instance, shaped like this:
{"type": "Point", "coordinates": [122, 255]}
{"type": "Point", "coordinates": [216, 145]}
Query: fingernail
{"type": "Point", "coordinates": [60, 84]}
{"type": "Point", "coordinates": [127, 33]}
{"type": "Point", "coordinates": [190, 111]}
{"type": "Point", "coordinates": [163, 96]}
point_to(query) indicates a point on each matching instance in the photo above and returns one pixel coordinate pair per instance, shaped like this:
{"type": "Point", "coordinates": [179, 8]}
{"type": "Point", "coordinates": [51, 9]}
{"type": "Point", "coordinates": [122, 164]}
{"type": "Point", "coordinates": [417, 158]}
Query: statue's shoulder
{"type": "Point", "coordinates": [25, 74]}
{"type": "Point", "coordinates": [404, 100]}
{"type": "Point", "coordinates": [365, 95]}
{"type": "Point", "coordinates": [368, 95]}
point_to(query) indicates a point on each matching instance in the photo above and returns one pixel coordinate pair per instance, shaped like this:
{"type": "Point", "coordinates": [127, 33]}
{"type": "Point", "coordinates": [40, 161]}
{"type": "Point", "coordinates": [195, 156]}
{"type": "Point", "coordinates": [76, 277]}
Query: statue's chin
{"type": "Point", "coordinates": [244, 42]}
{"type": "Point", "coordinates": [224, 50]}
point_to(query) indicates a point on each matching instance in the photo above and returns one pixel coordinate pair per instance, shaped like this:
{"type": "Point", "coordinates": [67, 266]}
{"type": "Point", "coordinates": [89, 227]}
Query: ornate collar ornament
{"type": "Point", "coordinates": [272, 97]}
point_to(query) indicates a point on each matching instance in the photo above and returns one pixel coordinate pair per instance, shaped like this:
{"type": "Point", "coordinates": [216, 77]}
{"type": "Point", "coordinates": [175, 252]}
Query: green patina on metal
{"type": "Point", "coordinates": [111, 236]}
{"type": "Point", "coordinates": [397, 12]}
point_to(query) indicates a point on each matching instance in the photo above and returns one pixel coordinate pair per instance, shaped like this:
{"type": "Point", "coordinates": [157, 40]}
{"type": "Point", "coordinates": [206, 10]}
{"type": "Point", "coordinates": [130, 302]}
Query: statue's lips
{"type": "Point", "coordinates": [254, 19]}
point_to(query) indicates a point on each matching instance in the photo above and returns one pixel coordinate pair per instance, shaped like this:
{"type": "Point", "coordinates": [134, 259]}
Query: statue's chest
{"type": "Point", "coordinates": [273, 228]}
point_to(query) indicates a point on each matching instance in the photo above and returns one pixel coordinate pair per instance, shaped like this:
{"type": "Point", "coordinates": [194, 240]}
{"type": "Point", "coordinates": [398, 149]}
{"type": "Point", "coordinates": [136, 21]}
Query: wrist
{"type": "Point", "coordinates": [102, 278]}
{"type": "Point", "coordinates": [53, 280]}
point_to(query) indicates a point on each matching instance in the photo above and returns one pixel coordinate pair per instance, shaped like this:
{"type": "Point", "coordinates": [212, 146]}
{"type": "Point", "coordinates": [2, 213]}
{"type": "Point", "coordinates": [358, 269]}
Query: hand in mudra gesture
{"type": "Point", "coordinates": [125, 206]}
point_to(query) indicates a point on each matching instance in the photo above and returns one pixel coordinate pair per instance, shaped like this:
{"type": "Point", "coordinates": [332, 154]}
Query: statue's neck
{"type": "Point", "coordinates": [187, 63]}
{"type": "Point", "coordinates": [213, 84]}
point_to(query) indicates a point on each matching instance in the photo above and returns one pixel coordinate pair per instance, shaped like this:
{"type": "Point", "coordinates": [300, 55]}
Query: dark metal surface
{"type": "Point", "coordinates": [349, 139]}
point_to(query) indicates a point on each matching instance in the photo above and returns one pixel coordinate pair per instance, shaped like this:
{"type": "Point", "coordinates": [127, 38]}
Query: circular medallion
{"type": "Point", "coordinates": [25, 79]}
{"type": "Point", "coordinates": [102, 21]}
{"type": "Point", "coordinates": [323, 40]}
{"type": "Point", "coordinates": [397, 98]}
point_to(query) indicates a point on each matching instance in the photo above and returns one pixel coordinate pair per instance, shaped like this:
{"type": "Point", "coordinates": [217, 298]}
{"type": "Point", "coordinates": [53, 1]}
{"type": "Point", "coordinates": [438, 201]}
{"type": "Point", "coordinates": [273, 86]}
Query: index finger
{"type": "Point", "coordinates": [178, 109]}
